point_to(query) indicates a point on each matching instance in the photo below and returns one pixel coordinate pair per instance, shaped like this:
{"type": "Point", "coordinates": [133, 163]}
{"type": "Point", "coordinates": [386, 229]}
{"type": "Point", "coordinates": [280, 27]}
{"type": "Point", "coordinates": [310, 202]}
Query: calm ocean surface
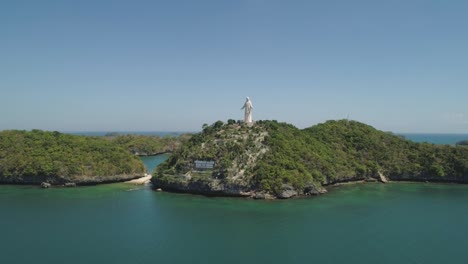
{"type": "Point", "coordinates": [450, 139]}
{"type": "Point", "coordinates": [121, 223]}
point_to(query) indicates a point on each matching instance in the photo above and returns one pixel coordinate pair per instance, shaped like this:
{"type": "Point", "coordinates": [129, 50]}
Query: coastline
{"type": "Point", "coordinates": [61, 182]}
{"type": "Point", "coordinates": [152, 154]}
{"type": "Point", "coordinates": [266, 196]}
{"type": "Point", "coordinates": [146, 179]}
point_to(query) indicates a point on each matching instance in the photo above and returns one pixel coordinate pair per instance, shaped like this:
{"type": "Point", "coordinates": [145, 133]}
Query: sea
{"type": "Point", "coordinates": [448, 139]}
{"type": "Point", "coordinates": [123, 223]}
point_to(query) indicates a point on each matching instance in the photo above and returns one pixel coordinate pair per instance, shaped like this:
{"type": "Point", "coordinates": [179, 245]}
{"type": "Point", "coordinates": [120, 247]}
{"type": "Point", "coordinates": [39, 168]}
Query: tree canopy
{"type": "Point", "coordinates": [61, 157]}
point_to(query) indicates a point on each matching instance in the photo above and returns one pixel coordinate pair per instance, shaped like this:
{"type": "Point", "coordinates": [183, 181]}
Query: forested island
{"type": "Point", "coordinates": [278, 160]}
{"type": "Point", "coordinates": [34, 157]}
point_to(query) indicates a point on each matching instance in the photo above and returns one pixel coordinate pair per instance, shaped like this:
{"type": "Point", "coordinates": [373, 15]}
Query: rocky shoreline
{"type": "Point", "coordinates": [150, 154]}
{"type": "Point", "coordinates": [46, 182]}
{"type": "Point", "coordinates": [217, 188]}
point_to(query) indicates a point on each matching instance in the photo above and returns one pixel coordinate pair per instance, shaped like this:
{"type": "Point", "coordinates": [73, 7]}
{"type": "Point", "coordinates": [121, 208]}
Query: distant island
{"type": "Point", "coordinates": [462, 143]}
{"type": "Point", "coordinates": [144, 145]}
{"type": "Point", "coordinates": [269, 159]}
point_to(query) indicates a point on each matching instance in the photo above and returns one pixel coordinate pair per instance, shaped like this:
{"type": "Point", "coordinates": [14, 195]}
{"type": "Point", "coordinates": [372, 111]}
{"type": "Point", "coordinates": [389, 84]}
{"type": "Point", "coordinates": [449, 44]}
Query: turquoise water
{"type": "Point", "coordinates": [119, 223]}
{"type": "Point", "coordinates": [152, 161]}
{"type": "Point", "coordinates": [122, 223]}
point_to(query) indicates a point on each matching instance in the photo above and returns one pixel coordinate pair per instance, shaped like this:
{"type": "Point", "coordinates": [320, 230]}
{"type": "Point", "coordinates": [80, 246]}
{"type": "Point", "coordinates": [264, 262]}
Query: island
{"type": "Point", "coordinates": [269, 159]}
{"type": "Point", "coordinates": [53, 158]}
{"type": "Point", "coordinates": [462, 143]}
{"type": "Point", "coordinates": [146, 145]}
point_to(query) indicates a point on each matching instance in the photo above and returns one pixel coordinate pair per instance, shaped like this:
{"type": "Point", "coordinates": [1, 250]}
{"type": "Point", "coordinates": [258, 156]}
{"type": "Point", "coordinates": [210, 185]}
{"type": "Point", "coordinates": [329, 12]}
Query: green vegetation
{"type": "Point", "coordinates": [271, 155]}
{"type": "Point", "coordinates": [343, 150]}
{"type": "Point", "coordinates": [147, 145]}
{"type": "Point", "coordinates": [231, 147]}
{"type": "Point", "coordinates": [36, 156]}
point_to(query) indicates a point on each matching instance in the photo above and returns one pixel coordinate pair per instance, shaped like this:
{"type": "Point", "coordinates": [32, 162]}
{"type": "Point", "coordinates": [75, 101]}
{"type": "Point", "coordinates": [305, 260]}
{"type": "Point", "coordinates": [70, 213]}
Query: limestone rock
{"type": "Point", "coordinates": [263, 196]}
{"type": "Point", "coordinates": [287, 192]}
{"type": "Point", "coordinates": [311, 189]}
{"type": "Point", "coordinates": [45, 185]}
{"type": "Point", "coordinates": [382, 178]}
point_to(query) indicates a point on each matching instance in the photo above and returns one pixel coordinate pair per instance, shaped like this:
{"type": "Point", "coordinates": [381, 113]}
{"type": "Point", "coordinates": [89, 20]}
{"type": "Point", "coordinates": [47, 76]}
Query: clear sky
{"type": "Point", "coordinates": [173, 65]}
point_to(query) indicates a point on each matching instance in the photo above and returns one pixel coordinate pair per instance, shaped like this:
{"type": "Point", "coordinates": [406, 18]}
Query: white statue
{"type": "Point", "coordinates": [248, 111]}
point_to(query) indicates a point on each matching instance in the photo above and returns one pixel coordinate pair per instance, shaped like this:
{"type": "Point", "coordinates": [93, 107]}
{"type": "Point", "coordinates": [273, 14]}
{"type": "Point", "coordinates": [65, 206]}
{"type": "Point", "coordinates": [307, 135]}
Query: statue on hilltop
{"type": "Point", "coordinates": [248, 111]}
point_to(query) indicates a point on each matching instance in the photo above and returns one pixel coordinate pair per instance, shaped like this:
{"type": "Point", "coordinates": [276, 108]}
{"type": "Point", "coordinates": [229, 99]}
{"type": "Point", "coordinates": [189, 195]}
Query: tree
{"type": "Point", "coordinates": [218, 124]}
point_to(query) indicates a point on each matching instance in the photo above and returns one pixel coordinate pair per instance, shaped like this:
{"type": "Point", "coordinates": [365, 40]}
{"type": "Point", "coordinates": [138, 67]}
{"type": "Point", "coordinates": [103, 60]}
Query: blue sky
{"type": "Point", "coordinates": [399, 66]}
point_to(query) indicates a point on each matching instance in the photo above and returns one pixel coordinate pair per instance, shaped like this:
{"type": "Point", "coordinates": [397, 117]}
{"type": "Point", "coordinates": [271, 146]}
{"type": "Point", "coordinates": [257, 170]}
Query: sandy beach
{"type": "Point", "coordinates": [143, 180]}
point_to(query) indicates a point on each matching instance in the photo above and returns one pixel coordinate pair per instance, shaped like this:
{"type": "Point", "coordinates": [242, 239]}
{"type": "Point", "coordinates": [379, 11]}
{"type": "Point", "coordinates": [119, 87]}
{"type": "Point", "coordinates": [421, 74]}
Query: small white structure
{"type": "Point", "coordinates": [248, 111]}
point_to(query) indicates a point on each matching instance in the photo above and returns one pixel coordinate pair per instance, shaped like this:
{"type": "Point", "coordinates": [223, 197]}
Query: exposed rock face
{"type": "Point", "coordinates": [311, 189]}
{"type": "Point", "coordinates": [214, 187]}
{"type": "Point", "coordinates": [288, 192]}
{"type": "Point", "coordinates": [227, 177]}
{"type": "Point", "coordinates": [45, 185]}
{"type": "Point", "coordinates": [263, 196]}
{"type": "Point", "coordinates": [382, 178]}
{"type": "Point", "coordinates": [217, 187]}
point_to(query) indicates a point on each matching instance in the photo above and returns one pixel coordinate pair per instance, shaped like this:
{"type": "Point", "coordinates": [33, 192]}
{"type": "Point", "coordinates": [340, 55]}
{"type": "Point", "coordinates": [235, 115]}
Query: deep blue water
{"type": "Point", "coordinates": [450, 139]}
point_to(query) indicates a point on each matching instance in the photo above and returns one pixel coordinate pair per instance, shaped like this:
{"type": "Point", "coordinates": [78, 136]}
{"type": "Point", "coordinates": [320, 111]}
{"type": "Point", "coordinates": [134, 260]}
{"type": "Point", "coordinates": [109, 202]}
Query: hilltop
{"type": "Point", "coordinates": [271, 159]}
